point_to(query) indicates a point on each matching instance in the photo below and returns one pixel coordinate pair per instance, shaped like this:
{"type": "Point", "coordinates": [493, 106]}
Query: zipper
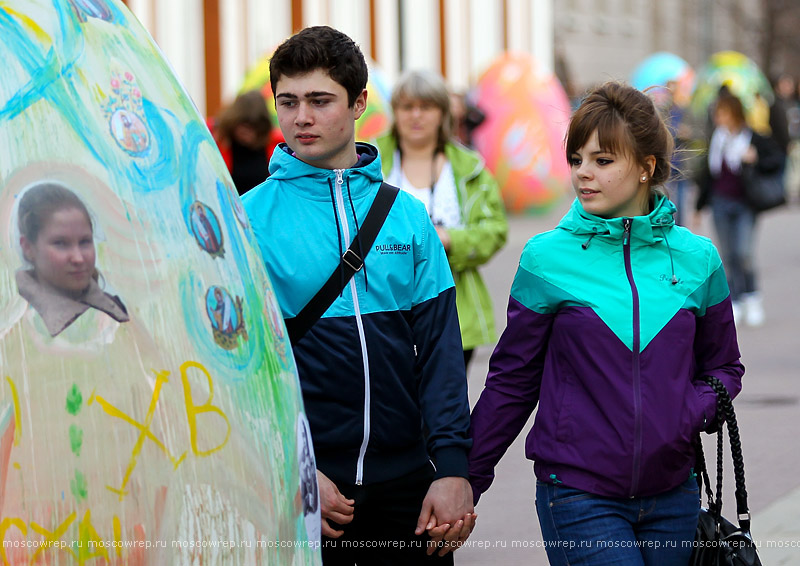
{"type": "Point", "coordinates": [637, 376]}
{"type": "Point", "coordinates": [339, 194]}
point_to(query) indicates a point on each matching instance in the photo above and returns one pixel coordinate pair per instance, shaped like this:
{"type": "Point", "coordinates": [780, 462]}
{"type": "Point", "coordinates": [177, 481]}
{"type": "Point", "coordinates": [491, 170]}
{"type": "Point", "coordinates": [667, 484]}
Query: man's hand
{"type": "Point", "coordinates": [334, 506]}
{"type": "Point", "coordinates": [447, 514]}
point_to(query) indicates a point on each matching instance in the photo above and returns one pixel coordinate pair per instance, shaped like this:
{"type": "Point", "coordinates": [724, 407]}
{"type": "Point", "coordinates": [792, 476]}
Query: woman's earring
{"type": "Point", "coordinates": [644, 179]}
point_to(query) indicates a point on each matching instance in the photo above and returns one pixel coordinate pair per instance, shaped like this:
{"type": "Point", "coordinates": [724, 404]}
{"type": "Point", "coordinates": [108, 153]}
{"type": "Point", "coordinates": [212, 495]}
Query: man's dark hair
{"type": "Point", "coordinates": [321, 47]}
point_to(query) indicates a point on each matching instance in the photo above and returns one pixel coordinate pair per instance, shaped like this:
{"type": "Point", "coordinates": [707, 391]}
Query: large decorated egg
{"type": "Point", "coordinates": [150, 411]}
{"type": "Point", "coordinates": [522, 138]}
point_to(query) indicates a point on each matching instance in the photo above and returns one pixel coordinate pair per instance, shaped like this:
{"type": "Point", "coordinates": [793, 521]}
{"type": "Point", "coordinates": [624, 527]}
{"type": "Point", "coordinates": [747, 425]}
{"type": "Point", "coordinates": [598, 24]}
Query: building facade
{"type": "Point", "coordinates": [212, 43]}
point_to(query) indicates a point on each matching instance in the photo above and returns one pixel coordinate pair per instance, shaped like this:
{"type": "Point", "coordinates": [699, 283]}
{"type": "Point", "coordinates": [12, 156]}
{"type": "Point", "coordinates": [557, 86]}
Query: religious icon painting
{"type": "Point", "coordinates": [124, 110]}
{"type": "Point", "coordinates": [309, 490]}
{"type": "Point", "coordinates": [225, 313]}
{"type": "Point", "coordinates": [206, 229]}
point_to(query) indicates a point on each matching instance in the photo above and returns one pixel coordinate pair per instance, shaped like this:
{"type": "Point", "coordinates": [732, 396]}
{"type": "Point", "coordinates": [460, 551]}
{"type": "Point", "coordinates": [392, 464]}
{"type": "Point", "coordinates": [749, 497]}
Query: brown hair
{"type": "Point", "coordinates": [733, 106]}
{"type": "Point", "coordinates": [39, 203]}
{"type": "Point", "coordinates": [321, 47]}
{"type": "Point", "coordinates": [627, 122]}
{"type": "Point", "coordinates": [428, 87]}
{"type": "Point", "coordinates": [248, 108]}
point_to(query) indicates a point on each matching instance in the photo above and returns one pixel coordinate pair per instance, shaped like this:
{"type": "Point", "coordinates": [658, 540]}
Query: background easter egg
{"type": "Point", "coordinates": [522, 137]}
{"type": "Point", "coordinates": [158, 423]}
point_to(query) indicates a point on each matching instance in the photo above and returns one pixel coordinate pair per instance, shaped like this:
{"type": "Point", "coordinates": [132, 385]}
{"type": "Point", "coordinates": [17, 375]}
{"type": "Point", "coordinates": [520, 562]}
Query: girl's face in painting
{"type": "Point", "coordinates": [63, 254]}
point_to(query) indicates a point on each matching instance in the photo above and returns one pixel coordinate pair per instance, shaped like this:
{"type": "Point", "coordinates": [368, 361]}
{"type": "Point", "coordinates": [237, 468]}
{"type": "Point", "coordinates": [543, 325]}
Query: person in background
{"type": "Point", "coordinates": [465, 118]}
{"type": "Point", "coordinates": [787, 105]}
{"type": "Point", "coordinates": [383, 381]}
{"type": "Point", "coordinates": [459, 193]}
{"type": "Point", "coordinates": [733, 144]}
{"type": "Point", "coordinates": [613, 318]}
{"type": "Point", "coordinates": [783, 87]}
{"type": "Point", "coordinates": [244, 134]}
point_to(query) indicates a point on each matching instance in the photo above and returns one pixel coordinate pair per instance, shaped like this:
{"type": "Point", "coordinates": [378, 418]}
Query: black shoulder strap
{"type": "Point", "coordinates": [349, 264]}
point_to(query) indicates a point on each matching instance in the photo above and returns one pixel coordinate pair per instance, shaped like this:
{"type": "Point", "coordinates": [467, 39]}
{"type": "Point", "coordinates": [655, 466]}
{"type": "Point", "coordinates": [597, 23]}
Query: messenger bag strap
{"type": "Point", "coordinates": [349, 264]}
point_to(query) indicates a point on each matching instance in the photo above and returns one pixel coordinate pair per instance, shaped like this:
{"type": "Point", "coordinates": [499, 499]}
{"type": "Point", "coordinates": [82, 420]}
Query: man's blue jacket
{"type": "Point", "coordinates": [382, 372]}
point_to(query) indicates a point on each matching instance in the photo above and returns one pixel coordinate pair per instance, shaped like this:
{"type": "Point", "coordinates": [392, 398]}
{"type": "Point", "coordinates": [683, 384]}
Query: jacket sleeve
{"type": "Point", "coordinates": [715, 344]}
{"type": "Point", "coordinates": [512, 386]}
{"type": "Point", "coordinates": [442, 380]}
{"type": "Point", "coordinates": [485, 230]}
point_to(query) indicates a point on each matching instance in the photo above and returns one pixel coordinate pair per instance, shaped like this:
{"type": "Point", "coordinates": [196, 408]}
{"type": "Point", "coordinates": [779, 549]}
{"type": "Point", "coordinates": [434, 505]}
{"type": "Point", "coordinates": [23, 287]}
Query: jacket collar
{"type": "Point", "coordinates": [58, 310]}
{"type": "Point", "coordinates": [284, 166]}
{"type": "Point", "coordinates": [644, 229]}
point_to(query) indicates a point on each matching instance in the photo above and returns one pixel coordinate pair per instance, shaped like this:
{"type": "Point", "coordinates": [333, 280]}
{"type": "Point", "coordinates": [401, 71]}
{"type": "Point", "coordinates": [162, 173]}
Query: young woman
{"type": "Point", "coordinates": [733, 144]}
{"type": "Point", "coordinates": [460, 194]}
{"type": "Point", "coordinates": [612, 318]}
{"type": "Point", "coordinates": [57, 240]}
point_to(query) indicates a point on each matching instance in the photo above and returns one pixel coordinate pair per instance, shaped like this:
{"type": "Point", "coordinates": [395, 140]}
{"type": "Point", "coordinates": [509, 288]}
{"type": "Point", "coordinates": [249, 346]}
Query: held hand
{"type": "Point", "coordinates": [447, 513]}
{"type": "Point", "coordinates": [449, 539]}
{"type": "Point", "coordinates": [334, 506]}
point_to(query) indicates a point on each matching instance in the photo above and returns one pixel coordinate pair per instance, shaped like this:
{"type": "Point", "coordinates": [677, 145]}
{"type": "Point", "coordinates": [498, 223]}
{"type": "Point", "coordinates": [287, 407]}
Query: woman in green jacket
{"type": "Point", "coordinates": [460, 194]}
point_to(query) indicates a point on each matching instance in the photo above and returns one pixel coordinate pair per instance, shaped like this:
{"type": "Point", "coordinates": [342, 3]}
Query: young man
{"type": "Point", "coordinates": [382, 371]}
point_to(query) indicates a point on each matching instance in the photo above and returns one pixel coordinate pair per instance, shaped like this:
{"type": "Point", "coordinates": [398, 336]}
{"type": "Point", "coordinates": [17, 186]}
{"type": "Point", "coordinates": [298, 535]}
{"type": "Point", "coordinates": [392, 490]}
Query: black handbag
{"type": "Point", "coordinates": [719, 542]}
{"type": "Point", "coordinates": [763, 191]}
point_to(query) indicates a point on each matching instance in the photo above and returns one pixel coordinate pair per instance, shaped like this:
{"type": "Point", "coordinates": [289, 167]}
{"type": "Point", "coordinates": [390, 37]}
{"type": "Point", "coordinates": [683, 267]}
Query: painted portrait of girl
{"type": "Point", "coordinates": [60, 279]}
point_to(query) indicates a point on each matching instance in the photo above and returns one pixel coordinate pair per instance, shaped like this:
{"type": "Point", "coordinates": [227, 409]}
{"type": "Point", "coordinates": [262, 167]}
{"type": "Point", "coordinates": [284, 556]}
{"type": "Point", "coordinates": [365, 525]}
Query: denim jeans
{"type": "Point", "coordinates": [579, 528]}
{"type": "Point", "coordinates": [734, 223]}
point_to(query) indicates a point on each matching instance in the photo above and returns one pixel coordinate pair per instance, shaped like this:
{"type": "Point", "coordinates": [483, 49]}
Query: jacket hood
{"type": "Point", "coordinates": [645, 229]}
{"type": "Point", "coordinates": [284, 166]}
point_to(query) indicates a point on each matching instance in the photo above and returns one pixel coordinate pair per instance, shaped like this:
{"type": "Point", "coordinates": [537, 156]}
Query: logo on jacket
{"type": "Point", "coordinates": [393, 248]}
{"type": "Point", "coordinates": [668, 278]}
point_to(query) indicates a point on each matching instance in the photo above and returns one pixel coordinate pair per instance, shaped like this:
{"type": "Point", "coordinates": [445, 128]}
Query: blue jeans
{"type": "Point", "coordinates": [735, 223]}
{"type": "Point", "coordinates": [579, 528]}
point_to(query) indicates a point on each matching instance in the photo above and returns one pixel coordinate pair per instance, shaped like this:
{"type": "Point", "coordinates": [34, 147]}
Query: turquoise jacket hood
{"type": "Point", "coordinates": [284, 166]}
{"type": "Point", "coordinates": [649, 228]}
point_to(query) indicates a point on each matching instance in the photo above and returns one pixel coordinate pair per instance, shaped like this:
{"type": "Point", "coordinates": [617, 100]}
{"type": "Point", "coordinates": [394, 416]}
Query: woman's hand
{"type": "Point", "coordinates": [750, 156]}
{"type": "Point", "coordinates": [444, 236]}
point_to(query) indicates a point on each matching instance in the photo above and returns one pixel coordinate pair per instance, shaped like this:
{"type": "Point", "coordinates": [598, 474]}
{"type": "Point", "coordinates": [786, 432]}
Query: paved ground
{"type": "Point", "coordinates": [768, 410]}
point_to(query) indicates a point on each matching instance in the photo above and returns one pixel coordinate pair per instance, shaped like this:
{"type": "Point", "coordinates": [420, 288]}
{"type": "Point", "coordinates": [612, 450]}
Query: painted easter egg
{"type": "Point", "coordinates": [521, 139]}
{"type": "Point", "coordinates": [150, 411]}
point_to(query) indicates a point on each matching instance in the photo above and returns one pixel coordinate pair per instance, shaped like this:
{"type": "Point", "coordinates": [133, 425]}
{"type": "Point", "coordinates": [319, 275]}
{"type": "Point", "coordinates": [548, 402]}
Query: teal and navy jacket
{"type": "Point", "coordinates": [382, 372]}
{"type": "Point", "coordinates": [610, 325]}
